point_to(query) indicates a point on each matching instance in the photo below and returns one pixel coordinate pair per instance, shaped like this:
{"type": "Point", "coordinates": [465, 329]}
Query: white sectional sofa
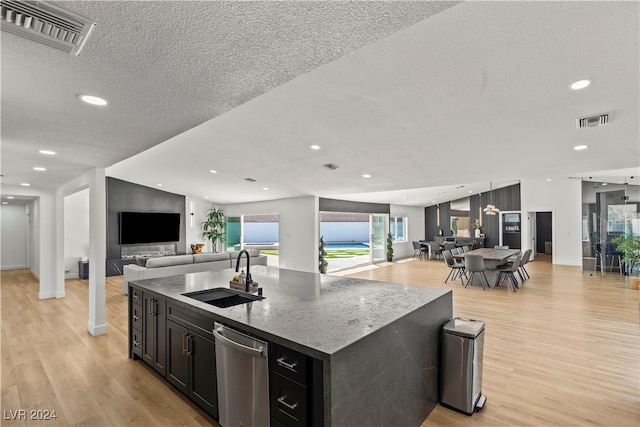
{"type": "Point", "coordinates": [182, 264]}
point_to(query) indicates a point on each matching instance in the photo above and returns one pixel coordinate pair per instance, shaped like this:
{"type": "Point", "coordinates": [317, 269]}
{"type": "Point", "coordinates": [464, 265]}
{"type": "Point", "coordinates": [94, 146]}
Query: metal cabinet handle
{"type": "Point", "coordinates": [136, 318]}
{"type": "Point", "coordinates": [281, 362]}
{"type": "Point", "coordinates": [152, 306]}
{"type": "Point", "coordinates": [288, 405]}
{"type": "Point", "coordinates": [185, 344]}
{"type": "Point", "coordinates": [135, 343]}
{"type": "Point", "coordinates": [135, 296]}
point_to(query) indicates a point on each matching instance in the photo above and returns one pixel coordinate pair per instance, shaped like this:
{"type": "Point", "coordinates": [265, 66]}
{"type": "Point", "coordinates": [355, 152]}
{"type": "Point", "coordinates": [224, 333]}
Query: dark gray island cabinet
{"type": "Point", "coordinates": [341, 351]}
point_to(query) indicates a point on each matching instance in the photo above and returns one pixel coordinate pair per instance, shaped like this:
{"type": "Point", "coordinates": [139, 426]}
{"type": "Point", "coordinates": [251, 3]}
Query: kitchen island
{"type": "Point", "coordinates": [371, 348]}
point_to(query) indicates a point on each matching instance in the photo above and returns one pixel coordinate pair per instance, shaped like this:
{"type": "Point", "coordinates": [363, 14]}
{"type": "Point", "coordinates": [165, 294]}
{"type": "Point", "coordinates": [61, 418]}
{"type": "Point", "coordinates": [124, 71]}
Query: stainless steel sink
{"type": "Point", "coordinates": [223, 297]}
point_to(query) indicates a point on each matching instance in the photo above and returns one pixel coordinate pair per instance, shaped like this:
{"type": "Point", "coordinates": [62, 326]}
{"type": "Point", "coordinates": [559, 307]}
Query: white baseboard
{"type": "Point", "coordinates": [13, 267]}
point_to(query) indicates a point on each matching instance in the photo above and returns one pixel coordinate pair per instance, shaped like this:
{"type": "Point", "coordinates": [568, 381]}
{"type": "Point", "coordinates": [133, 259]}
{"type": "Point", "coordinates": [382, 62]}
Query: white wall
{"type": "Point", "coordinates": [76, 231]}
{"type": "Point", "coordinates": [563, 198]}
{"type": "Point", "coordinates": [199, 209]}
{"type": "Point", "coordinates": [13, 233]}
{"type": "Point", "coordinates": [415, 228]}
{"type": "Point", "coordinates": [298, 230]}
{"type": "Point", "coordinates": [33, 237]}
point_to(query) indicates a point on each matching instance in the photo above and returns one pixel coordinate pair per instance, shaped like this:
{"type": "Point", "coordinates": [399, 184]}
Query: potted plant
{"type": "Point", "coordinates": [322, 254]}
{"type": "Point", "coordinates": [213, 227]}
{"type": "Point", "coordinates": [389, 247]}
{"type": "Point", "coordinates": [629, 246]}
{"type": "Point", "coordinates": [476, 226]}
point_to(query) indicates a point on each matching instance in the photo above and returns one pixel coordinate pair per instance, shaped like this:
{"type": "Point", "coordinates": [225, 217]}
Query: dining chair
{"type": "Point", "coordinates": [506, 272]}
{"type": "Point", "coordinates": [457, 251]}
{"type": "Point", "coordinates": [466, 248]}
{"type": "Point", "coordinates": [447, 246]}
{"type": "Point", "coordinates": [456, 269]}
{"type": "Point", "coordinates": [524, 274]}
{"type": "Point", "coordinates": [417, 249]}
{"type": "Point", "coordinates": [434, 250]}
{"type": "Point", "coordinates": [475, 264]}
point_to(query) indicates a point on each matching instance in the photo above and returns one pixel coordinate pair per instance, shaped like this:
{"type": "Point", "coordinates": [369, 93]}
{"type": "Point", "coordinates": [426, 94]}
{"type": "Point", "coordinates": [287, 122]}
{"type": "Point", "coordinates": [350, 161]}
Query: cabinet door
{"type": "Point", "coordinates": [202, 373]}
{"type": "Point", "coordinates": [178, 356]}
{"type": "Point", "coordinates": [154, 347]}
{"type": "Point", "coordinates": [148, 330]}
{"type": "Point", "coordinates": [160, 334]}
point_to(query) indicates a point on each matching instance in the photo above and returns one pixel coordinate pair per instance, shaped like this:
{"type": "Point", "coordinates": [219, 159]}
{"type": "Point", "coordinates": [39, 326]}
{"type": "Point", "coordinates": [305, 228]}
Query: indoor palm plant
{"type": "Point", "coordinates": [214, 227]}
{"type": "Point", "coordinates": [629, 246]}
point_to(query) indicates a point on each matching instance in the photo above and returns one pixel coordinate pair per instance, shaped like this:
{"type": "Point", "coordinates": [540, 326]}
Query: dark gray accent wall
{"type": "Point", "coordinates": [430, 222]}
{"type": "Point", "coordinates": [506, 199]}
{"type": "Point", "coordinates": [123, 196]}
{"type": "Point", "coordinates": [334, 205]}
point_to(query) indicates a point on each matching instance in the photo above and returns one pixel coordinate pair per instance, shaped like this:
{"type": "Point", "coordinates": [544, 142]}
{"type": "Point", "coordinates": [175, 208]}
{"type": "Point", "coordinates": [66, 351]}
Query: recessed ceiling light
{"type": "Point", "coordinates": [10, 197]}
{"type": "Point", "coordinates": [93, 100]}
{"type": "Point", "coordinates": [265, 188]}
{"type": "Point", "coordinates": [470, 191]}
{"type": "Point", "coordinates": [580, 84]}
{"type": "Point", "coordinates": [38, 168]}
{"type": "Point", "coordinates": [159, 185]}
{"type": "Point", "coordinates": [48, 152]}
{"type": "Point", "coordinates": [580, 147]}
{"type": "Point", "coordinates": [213, 171]}
{"type": "Point", "coordinates": [5, 203]}
{"type": "Point", "coordinates": [433, 201]}
{"type": "Point", "coordinates": [366, 175]}
{"type": "Point", "coordinates": [315, 147]}
{"type": "Point", "coordinates": [206, 197]}
{"type": "Point", "coordinates": [604, 183]}
{"type": "Point", "coordinates": [548, 179]}
{"type": "Point", "coordinates": [25, 184]}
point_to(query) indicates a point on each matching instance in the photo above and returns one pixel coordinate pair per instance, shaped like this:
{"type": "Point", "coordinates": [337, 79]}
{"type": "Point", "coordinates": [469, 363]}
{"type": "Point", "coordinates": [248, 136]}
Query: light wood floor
{"type": "Point", "coordinates": [564, 350]}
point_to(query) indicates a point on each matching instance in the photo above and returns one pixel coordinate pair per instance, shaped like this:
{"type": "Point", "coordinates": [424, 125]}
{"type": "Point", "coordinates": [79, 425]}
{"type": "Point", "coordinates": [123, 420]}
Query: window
{"type": "Point", "coordinates": [398, 228]}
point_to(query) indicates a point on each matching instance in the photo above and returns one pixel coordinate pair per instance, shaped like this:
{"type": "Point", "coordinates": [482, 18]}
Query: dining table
{"type": "Point", "coordinates": [492, 259]}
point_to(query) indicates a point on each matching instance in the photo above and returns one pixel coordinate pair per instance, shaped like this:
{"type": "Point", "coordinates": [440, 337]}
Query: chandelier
{"type": "Point", "coordinates": [491, 209]}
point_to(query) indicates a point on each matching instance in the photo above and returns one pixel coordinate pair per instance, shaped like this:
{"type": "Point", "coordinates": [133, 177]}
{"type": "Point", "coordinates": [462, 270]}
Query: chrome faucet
{"type": "Point", "coordinates": [248, 280]}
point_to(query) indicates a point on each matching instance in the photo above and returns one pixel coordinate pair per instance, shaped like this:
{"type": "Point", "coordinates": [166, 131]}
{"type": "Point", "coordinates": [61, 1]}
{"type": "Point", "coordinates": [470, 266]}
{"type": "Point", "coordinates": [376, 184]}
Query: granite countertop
{"type": "Point", "coordinates": [318, 314]}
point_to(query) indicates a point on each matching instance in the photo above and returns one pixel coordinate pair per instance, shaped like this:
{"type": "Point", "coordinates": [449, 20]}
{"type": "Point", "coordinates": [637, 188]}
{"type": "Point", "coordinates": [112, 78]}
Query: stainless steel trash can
{"type": "Point", "coordinates": [461, 367]}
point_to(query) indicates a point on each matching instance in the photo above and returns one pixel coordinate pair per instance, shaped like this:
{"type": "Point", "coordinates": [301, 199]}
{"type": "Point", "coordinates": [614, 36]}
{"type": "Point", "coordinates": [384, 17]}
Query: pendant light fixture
{"type": "Point", "coordinates": [491, 209]}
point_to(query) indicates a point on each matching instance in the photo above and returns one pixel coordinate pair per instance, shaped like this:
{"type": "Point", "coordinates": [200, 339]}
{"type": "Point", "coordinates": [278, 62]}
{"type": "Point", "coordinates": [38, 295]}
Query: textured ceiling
{"type": "Point", "coordinates": [424, 96]}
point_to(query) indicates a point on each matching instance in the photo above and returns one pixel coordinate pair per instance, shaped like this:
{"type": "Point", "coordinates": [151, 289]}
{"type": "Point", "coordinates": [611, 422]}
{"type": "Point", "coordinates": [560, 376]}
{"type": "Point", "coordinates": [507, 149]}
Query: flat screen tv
{"type": "Point", "coordinates": [149, 227]}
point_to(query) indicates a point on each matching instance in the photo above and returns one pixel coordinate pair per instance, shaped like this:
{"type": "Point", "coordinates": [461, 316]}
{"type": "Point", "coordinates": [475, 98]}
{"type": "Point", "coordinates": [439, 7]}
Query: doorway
{"type": "Point", "coordinates": [544, 233]}
{"type": "Point", "coordinates": [353, 239]}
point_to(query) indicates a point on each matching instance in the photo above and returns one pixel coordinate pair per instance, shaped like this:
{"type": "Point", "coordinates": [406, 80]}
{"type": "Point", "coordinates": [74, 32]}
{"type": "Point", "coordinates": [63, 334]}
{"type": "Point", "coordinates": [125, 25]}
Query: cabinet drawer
{"type": "Point", "coordinates": [289, 363]}
{"type": "Point", "coordinates": [136, 316]}
{"type": "Point", "coordinates": [190, 319]}
{"type": "Point", "coordinates": [288, 401]}
{"type": "Point", "coordinates": [136, 342]}
{"type": "Point", "coordinates": [136, 296]}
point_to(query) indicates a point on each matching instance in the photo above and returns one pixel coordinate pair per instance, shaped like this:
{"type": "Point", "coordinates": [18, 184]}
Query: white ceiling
{"type": "Point", "coordinates": [432, 99]}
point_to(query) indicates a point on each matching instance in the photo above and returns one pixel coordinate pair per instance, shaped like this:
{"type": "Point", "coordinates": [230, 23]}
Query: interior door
{"type": "Point", "coordinates": [378, 237]}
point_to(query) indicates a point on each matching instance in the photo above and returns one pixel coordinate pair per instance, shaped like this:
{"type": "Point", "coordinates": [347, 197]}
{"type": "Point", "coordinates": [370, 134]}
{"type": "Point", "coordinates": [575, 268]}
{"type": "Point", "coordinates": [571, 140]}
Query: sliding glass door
{"type": "Point", "coordinates": [378, 237]}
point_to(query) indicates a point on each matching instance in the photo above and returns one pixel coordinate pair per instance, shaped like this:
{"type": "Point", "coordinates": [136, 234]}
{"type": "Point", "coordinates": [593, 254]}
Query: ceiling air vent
{"type": "Point", "coordinates": [46, 24]}
{"type": "Point", "coordinates": [593, 121]}
{"type": "Point", "coordinates": [330, 166]}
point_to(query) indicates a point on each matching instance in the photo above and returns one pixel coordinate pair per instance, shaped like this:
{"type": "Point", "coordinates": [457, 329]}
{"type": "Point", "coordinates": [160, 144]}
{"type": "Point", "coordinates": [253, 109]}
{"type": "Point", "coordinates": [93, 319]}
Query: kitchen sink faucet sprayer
{"type": "Point", "coordinates": [248, 281]}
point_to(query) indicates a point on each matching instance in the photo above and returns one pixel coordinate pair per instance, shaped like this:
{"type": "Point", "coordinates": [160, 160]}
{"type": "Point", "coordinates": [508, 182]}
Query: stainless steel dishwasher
{"type": "Point", "coordinates": [243, 371]}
